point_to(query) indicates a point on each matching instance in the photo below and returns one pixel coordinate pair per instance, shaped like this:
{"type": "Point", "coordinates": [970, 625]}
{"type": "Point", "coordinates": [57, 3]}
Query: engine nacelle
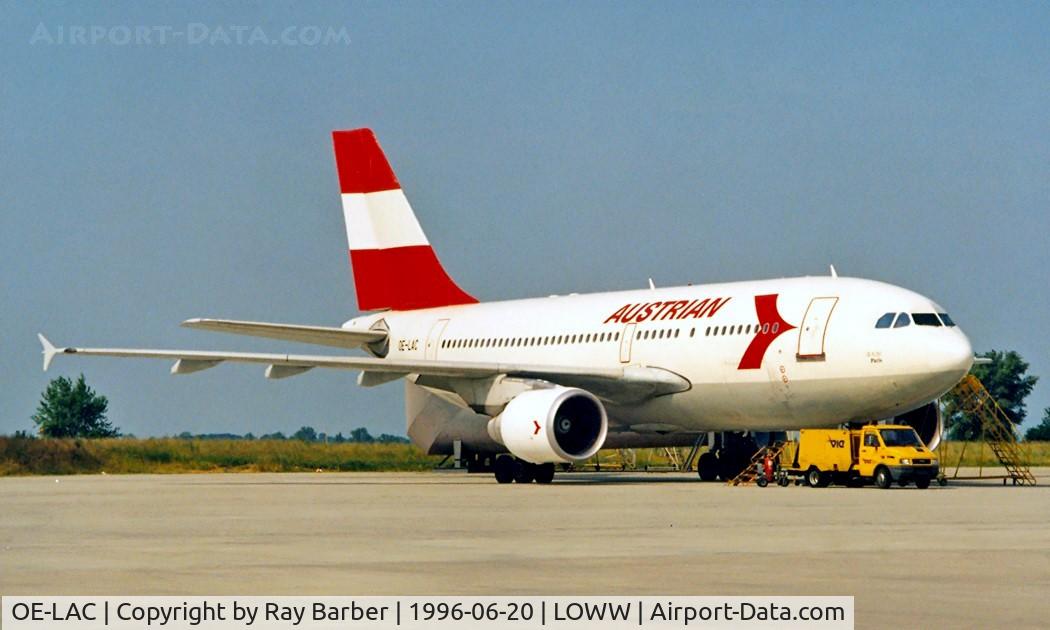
{"type": "Point", "coordinates": [927, 421]}
{"type": "Point", "coordinates": [554, 425]}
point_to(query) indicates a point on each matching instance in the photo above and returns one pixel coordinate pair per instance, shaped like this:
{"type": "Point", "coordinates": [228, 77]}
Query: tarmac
{"type": "Point", "coordinates": [969, 555]}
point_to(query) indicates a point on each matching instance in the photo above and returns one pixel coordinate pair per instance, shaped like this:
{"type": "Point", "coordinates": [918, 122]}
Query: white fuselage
{"type": "Point", "coordinates": [827, 363]}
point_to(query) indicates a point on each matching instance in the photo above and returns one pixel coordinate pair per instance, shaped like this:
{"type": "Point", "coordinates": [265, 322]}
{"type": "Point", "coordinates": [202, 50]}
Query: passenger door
{"type": "Point", "coordinates": [625, 343]}
{"type": "Point", "coordinates": [814, 328]}
{"type": "Point", "coordinates": [434, 338]}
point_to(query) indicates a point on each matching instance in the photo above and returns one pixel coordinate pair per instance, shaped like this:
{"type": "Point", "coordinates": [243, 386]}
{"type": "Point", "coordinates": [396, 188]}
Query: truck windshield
{"type": "Point", "coordinates": [900, 437]}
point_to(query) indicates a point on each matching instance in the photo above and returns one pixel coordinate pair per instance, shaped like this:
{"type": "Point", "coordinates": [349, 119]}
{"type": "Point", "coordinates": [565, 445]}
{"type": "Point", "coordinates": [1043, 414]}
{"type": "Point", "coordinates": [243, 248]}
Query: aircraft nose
{"type": "Point", "coordinates": [954, 354]}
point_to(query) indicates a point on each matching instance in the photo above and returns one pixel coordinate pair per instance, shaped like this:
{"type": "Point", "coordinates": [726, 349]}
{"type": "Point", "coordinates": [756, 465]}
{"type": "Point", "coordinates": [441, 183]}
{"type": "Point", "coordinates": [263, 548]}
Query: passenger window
{"type": "Point", "coordinates": [885, 321]}
{"type": "Point", "coordinates": [947, 320]}
{"type": "Point", "coordinates": [925, 319]}
{"type": "Point", "coordinates": [902, 320]}
{"type": "Point", "coordinates": [616, 337]}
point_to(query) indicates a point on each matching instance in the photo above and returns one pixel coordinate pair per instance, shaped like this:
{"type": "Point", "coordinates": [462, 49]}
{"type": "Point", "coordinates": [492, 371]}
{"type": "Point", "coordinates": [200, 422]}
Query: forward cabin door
{"type": "Point", "coordinates": [625, 343]}
{"type": "Point", "coordinates": [434, 338]}
{"type": "Point", "coordinates": [814, 327]}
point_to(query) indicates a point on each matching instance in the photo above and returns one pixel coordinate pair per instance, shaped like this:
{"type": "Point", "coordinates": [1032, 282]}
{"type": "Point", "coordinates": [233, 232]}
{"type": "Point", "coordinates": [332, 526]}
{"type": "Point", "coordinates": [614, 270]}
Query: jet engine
{"type": "Point", "coordinates": [551, 425]}
{"type": "Point", "coordinates": [927, 422]}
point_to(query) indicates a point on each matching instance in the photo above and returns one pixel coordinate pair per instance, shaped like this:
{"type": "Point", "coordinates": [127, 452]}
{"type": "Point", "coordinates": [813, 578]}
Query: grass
{"type": "Point", "coordinates": [30, 456]}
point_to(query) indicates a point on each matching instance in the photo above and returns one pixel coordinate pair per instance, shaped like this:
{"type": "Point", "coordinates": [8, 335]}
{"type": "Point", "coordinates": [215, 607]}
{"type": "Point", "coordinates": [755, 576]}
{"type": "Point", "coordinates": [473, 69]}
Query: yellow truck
{"type": "Point", "coordinates": [879, 454]}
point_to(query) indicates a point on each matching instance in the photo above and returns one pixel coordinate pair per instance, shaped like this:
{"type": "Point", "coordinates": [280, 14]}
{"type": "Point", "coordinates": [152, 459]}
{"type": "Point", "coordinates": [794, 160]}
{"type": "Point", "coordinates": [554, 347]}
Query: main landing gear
{"type": "Point", "coordinates": [730, 454]}
{"type": "Point", "coordinates": [508, 468]}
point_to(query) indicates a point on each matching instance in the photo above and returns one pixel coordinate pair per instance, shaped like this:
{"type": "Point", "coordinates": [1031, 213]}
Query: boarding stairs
{"type": "Point", "coordinates": [996, 428]}
{"type": "Point", "coordinates": [752, 471]}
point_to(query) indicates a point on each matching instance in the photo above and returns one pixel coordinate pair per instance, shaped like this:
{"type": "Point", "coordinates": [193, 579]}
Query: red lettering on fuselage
{"type": "Point", "coordinates": [636, 313]}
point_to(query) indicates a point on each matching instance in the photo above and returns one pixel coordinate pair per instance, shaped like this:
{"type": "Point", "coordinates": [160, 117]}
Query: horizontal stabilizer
{"type": "Point", "coordinates": [318, 335]}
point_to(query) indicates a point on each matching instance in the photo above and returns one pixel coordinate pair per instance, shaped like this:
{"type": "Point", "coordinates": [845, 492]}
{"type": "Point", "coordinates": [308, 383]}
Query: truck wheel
{"type": "Point", "coordinates": [922, 483]}
{"type": "Point", "coordinates": [815, 478]}
{"type": "Point", "coordinates": [883, 478]}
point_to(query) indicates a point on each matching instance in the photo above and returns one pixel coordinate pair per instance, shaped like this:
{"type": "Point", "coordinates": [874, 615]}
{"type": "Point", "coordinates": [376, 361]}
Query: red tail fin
{"type": "Point", "coordinates": [394, 265]}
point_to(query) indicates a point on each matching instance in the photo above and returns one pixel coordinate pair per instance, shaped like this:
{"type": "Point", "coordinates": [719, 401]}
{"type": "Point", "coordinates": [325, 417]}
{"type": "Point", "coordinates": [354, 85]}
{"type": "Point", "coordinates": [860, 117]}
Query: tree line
{"type": "Point", "coordinates": [72, 409]}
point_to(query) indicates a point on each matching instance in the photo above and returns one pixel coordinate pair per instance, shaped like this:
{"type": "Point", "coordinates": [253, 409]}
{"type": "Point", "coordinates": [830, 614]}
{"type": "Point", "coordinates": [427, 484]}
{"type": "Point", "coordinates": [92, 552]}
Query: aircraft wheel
{"type": "Point", "coordinates": [545, 473]}
{"type": "Point", "coordinates": [503, 468]}
{"type": "Point", "coordinates": [707, 467]}
{"type": "Point", "coordinates": [524, 472]}
{"type": "Point", "coordinates": [883, 479]}
{"type": "Point", "coordinates": [942, 481]}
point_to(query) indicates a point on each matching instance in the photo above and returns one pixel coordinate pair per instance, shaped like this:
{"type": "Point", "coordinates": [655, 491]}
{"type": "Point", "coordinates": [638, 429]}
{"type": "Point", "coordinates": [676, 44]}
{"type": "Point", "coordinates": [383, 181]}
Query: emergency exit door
{"type": "Point", "coordinates": [812, 332]}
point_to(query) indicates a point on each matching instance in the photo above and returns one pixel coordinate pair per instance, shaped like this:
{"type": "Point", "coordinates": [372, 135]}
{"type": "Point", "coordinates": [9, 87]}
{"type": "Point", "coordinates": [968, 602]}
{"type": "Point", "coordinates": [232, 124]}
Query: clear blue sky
{"type": "Point", "coordinates": [547, 148]}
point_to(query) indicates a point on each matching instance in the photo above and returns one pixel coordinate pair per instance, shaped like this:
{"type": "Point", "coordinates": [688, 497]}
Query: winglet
{"type": "Point", "coordinates": [49, 350]}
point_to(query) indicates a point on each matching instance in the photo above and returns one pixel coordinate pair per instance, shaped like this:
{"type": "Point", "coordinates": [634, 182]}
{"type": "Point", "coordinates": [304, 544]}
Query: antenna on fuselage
{"type": "Point", "coordinates": [834, 274]}
{"type": "Point", "coordinates": [651, 285]}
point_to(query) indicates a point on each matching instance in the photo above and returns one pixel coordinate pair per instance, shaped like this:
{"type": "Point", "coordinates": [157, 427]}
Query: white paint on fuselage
{"type": "Point", "coordinates": [867, 373]}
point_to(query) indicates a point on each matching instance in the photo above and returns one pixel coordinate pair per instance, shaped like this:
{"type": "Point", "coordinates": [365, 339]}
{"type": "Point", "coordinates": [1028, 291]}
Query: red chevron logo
{"type": "Point", "coordinates": [770, 326]}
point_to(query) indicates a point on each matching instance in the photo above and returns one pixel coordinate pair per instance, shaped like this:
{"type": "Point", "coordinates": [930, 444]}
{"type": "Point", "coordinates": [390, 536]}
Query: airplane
{"type": "Point", "coordinates": [515, 387]}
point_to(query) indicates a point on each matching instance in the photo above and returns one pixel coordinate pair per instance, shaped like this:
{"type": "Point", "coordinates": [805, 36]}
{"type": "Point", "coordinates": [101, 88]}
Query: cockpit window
{"type": "Point", "coordinates": [885, 321]}
{"type": "Point", "coordinates": [925, 319]}
{"type": "Point", "coordinates": [902, 320]}
{"type": "Point", "coordinates": [947, 320]}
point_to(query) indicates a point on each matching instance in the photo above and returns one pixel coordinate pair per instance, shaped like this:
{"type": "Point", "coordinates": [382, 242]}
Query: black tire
{"type": "Point", "coordinates": [524, 472]}
{"type": "Point", "coordinates": [815, 478]}
{"type": "Point", "coordinates": [922, 483]}
{"type": "Point", "coordinates": [503, 468]}
{"type": "Point", "coordinates": [544, 473]}
{"type": "Point", "coordinates": [762, 482]}
{"type": "Point", "coordinates": [707, 467]}
{"type": "Point", "coordinates": [883, 478]}
{"type": "Point", "coordinates": [942, 481]}
{"type": "Point", "coordinates": [783, 481]}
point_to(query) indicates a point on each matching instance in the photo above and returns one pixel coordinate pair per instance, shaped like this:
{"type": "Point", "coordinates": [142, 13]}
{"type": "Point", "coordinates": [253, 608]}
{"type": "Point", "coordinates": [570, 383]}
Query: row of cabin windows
{"type": "Point", "coordinates": [900, 320]}
{"type": "Point", "coordinates": [741, 329]}
{"type": "Point", "coordinates": [666, 333]}
{"type": "Point", "coordinates": [519, 342]}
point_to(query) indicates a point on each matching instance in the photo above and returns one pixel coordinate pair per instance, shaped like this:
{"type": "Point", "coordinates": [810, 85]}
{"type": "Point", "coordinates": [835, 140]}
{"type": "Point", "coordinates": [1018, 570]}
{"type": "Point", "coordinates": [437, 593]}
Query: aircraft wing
{"type": "Point", "coordinates": [319, 335]}
{"type": "Point", "coordinates": [634, 381]}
